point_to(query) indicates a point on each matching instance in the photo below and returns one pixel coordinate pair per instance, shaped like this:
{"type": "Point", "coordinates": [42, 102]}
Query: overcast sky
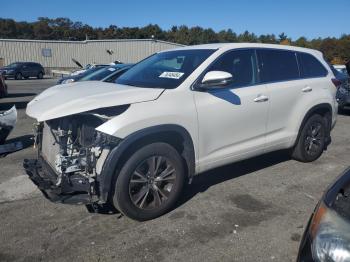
{"type": "Point", "coordinates": [309, 18]}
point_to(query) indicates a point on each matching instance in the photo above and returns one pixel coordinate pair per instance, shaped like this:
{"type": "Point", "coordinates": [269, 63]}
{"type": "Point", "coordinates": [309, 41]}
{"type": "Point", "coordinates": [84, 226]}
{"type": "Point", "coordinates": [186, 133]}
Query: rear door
{"type": "Point", "coordinates": [280, 72]}
{"type": "Point", "coordinates": [34, 69]}
{"type": "Point", "coordinates": [26, 70]}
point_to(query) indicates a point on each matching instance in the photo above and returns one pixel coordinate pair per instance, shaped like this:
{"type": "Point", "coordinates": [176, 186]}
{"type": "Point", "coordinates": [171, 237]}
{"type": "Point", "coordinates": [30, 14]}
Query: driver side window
{"type": "Point", "coordinates": [241, 64]}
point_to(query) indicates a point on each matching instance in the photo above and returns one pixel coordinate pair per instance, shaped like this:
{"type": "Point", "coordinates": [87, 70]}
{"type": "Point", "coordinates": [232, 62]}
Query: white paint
{"type": "Point", "coordinates": [73, 98]}
{"type": "Point", "coordinates": [216, 76]}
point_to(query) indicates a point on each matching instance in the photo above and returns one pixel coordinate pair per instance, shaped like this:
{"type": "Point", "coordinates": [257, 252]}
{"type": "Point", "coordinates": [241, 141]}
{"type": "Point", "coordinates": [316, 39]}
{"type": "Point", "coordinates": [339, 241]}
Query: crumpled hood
{"type": "Point", "coordinates": [69, 99]}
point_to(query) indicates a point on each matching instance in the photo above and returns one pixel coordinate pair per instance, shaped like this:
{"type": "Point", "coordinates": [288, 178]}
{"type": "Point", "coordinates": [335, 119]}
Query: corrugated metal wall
{"type": "Point", "coordinates": [86, 52]}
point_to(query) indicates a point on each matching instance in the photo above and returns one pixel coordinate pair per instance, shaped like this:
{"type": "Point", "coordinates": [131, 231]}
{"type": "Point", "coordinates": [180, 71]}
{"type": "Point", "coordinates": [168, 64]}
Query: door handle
{"type": "Point", "coordinates": [306, 89]}
{"type": "Point", "coordinates": [261, 98]}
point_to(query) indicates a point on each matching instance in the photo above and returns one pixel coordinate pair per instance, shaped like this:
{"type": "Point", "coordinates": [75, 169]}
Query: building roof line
{"type": "Point", "coordinates": [89, 41]}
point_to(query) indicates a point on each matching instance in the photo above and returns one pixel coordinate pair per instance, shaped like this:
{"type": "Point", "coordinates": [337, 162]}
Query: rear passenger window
{"type": "Point", "coordinates": [277, 65]}
{"type": "Point", "coordinates": [310, 66]}
{"type": "Point", "coordinates": [241, 64]}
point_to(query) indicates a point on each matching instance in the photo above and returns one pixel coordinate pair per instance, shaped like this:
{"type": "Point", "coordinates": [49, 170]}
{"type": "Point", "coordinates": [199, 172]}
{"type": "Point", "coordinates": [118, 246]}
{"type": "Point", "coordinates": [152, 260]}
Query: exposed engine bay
{"type": "Point", "coordinates": [75, 145]}
{"type": "Point", "coordinates": [71, 154]}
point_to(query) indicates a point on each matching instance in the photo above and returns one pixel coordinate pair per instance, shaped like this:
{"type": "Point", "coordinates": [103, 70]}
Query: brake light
{"type": "Point", "coordinates": [336, 82]}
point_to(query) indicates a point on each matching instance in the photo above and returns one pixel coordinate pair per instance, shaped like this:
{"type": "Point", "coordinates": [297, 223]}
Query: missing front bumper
{"type": "Point", "coordinates": [74, 189]}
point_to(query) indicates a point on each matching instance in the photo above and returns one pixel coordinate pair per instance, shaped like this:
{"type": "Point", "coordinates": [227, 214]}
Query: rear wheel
{"type": "Point", "coordinates": [40, 75]}
{"type": "Point", "coordinates": [150, 182]}
{"type": "Point", "coordinates": [311, 141]}
{"type": "Point", "coordinates": [18, 76]}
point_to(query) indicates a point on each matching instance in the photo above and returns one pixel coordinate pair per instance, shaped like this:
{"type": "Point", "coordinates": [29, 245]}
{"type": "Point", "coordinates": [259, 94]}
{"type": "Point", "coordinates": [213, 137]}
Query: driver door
{"type": "Point", "coordinates": [25, 70]}
{"type": "Point", "coordinates": [232, 120]}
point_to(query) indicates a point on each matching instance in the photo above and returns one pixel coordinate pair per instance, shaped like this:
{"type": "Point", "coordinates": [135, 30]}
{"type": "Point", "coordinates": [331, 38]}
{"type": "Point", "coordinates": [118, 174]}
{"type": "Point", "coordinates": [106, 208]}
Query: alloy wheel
{"type": "Point", "coordinates": [152, 182]}
{"type": "Point", "coordinates": [313, 139]}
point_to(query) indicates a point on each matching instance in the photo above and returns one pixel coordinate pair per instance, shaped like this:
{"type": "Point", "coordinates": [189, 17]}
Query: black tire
{"type": "Point", "coordinates": [4, 132]}
{"type": "Point", "coordinates": [311, 141]}
{"type": "Point", "coordinates": [40, 75]}
{"type": "Point", "coordinates": [18, 76]}
{"type": "Point", "coordinates": [5, 91]}
{"type": "Point", "coordinates": [26, 77]}
{"type": "Point", "coordinates": [161, 195]}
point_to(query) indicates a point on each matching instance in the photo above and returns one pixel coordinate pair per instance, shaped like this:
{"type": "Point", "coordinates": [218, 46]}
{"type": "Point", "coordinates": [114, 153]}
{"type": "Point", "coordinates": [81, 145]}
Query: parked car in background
{"type": "Point", "coordinates": [76, 77]}
{"type": "Point", "coordinates": [107, 74]}
{"type": "Point", "coordinates": [3, 86]}
{"type": "Point", "coordinates": [327, 235]}
{"type": "Point", "coordinates": [101, 73]}
{"type": "Point", "coordinates": [20, 70]}
{"type": "Point", "coordinates": [176, 114]}
{"type": "Point", "coordinates": [343, 83]}
{"type": "Point", "coordinates": [341, 68]}
{"type": "Point", "coordinates": [87, 67]}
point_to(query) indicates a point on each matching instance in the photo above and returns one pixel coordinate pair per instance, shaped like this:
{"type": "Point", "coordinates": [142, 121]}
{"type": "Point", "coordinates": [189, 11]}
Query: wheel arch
{"type": "Point", "coordinates": [323, 109]}
{"type": "Point", "coordinates": [175, 135]}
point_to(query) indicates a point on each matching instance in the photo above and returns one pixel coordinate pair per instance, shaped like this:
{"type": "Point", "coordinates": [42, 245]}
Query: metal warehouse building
{"type": "Point", "coordinates": [59, 54]}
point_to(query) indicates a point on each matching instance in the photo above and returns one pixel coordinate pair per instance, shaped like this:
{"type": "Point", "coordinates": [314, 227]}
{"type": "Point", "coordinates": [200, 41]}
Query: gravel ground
{"type": "Point", "coordinates": [254, 210]}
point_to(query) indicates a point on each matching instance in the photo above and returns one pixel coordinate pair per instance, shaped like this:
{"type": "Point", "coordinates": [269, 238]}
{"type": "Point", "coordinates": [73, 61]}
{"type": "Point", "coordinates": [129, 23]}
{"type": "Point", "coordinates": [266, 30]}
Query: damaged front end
{"type": "Point", "coordinates": [8, 120]}
{"type": "Point", "coordinates": [71, 155]}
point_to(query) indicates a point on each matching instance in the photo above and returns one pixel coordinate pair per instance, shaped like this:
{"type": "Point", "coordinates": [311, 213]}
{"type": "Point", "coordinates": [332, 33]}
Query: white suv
{"type": "Point", "coordinates": [133, 144]}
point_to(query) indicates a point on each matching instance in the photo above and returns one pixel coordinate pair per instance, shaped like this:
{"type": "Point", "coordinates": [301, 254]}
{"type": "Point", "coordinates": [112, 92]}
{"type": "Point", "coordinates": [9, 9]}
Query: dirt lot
{"type": "Point", "coordinates": [255, 210]}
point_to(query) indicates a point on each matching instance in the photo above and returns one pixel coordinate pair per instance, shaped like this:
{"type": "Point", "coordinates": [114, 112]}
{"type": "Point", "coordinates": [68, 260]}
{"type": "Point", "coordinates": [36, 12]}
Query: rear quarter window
{"type": "Point", "coordinates": [310, 66]}
{"type": "Point", "coordinates": [277, 65]}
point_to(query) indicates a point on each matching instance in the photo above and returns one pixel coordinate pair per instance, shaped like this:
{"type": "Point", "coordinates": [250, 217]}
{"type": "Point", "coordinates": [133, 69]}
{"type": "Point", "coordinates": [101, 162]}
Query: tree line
{"type": "Point", "coordinates": [336, 50]}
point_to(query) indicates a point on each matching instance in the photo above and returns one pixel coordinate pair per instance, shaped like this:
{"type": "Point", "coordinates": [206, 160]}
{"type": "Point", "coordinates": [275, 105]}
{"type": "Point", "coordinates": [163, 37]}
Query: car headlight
{"type": "Point", "coordinates": [9, 71]}
{"type": "Point", "coordinates": [330, 236]}
{"type": "Point", "coordinates": [67, 81]}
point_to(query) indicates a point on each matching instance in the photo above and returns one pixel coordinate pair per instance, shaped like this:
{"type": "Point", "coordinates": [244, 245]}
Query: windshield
{"type": "Point", "coordinates": [88, 72]}
{"type": "Point", "coordinates": [101, 73]}
{"type": "Point", "coordinates": [165, 70]}
{"type": "Point", "coordinates": [14, 65]}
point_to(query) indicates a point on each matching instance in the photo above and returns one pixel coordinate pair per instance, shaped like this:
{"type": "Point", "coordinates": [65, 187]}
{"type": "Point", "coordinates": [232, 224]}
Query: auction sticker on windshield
{"type": "Point", "coordinates": [172, 75]}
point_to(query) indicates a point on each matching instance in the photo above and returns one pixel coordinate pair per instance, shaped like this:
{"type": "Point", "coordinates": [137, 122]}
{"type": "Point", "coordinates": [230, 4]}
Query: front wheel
{"type": "Point", "coordinates": [150, 182]}
{"type": "Point", "coordinates": [40, 75]}
{"type": "Point", "coordinates": [18, 76]}
{"type": "Point", "coordinates": [311, 141]}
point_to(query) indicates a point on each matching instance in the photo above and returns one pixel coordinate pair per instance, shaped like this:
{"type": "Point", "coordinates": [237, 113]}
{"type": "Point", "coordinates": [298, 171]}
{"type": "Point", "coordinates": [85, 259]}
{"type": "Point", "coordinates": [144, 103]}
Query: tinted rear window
{"type": "Point", "coordinates": [277, 65]}
{"type": "Point", "coordinates": [310, 66]}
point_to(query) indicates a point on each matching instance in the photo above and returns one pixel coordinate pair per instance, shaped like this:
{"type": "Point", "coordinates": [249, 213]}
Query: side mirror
{"type": "Point", "coordinates": [216, 79]}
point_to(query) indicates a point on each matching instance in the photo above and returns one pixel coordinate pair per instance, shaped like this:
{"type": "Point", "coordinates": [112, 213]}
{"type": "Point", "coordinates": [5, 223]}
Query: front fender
{"type": "Point", "coordinates": [110, 166]}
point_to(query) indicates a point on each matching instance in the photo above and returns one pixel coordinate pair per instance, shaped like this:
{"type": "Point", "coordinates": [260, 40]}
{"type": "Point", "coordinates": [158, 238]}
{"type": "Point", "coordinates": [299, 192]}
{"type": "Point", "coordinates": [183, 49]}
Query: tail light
{"type": "Point", "coordinates": [336, 82]}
